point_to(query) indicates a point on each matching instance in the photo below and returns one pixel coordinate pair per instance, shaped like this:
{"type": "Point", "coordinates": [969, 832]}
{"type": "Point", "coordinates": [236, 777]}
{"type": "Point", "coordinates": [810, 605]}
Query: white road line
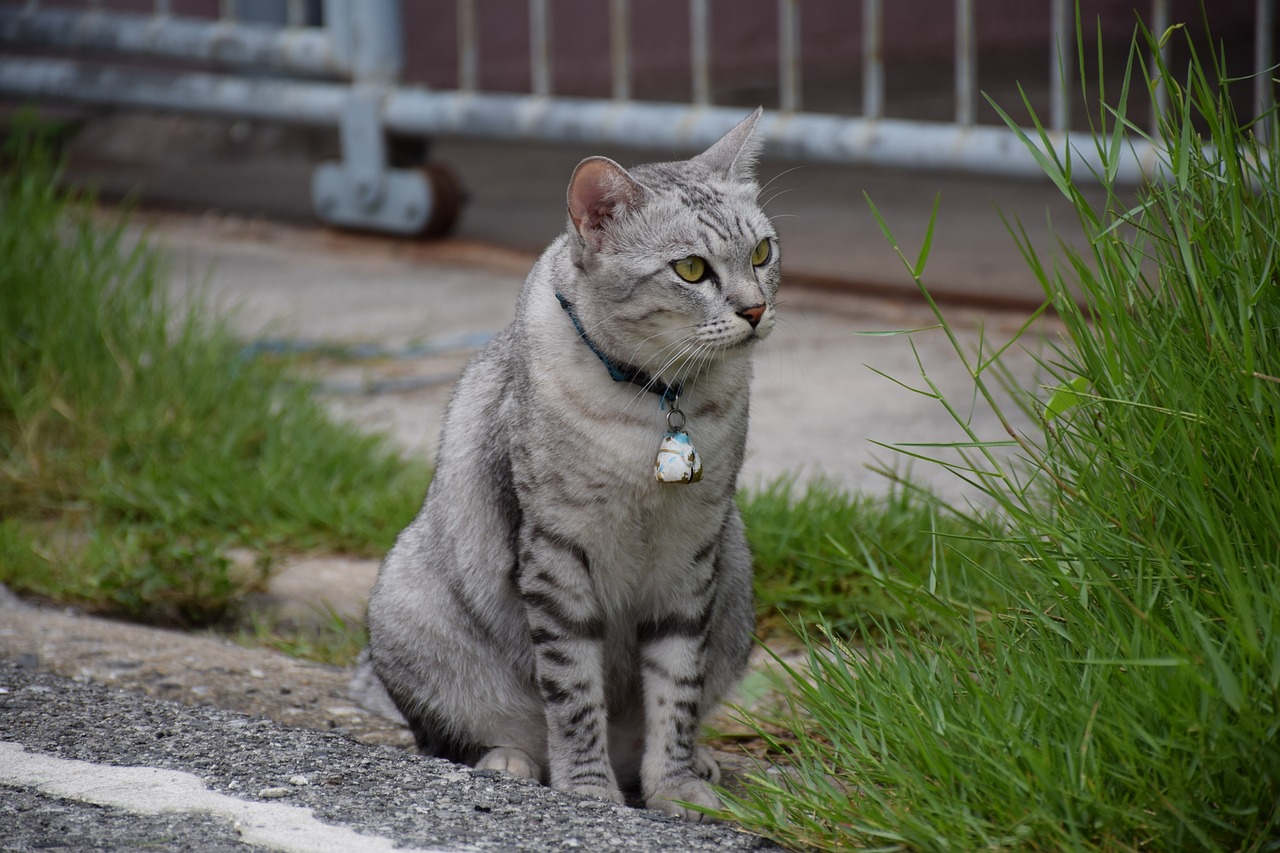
{"type": "Point", "coordinates": [150, 790]}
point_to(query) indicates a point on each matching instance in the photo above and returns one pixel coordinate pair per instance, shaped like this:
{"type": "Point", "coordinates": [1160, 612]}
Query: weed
{"type": "Point", "coordinates": [331, 638]}
{"type": "Point", "coordinates": [1125, 695]}
{"type": "Point", "coordinates": [138, 442]}
{"type": "Point", "coordinates": [825, 556]}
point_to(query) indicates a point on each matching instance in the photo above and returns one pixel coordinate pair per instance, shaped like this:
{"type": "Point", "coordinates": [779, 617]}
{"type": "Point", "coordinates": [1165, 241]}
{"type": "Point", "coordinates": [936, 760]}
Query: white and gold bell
{"type": "Point", "coordinates": [677, 461]}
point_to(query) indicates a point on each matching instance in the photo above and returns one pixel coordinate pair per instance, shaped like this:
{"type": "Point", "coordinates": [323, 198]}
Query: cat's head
{"type": "Point", "coordinates": [676, 265]}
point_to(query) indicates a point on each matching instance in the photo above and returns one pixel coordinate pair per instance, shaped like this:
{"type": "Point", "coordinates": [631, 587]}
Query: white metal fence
{"type": "Point", "coordinates": [346, 73]}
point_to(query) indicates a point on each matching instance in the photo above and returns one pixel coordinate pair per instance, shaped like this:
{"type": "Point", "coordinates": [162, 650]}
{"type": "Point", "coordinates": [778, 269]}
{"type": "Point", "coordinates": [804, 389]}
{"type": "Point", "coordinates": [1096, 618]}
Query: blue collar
{"type": "Point", "coordinates": [622, 372]}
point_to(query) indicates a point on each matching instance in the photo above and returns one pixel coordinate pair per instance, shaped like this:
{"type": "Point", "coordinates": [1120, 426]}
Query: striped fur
{"type": "Point", "coordinates": [553, 611]}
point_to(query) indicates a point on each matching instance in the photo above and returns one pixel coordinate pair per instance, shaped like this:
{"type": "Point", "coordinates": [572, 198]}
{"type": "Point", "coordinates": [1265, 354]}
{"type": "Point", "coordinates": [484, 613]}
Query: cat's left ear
{"type": "Point", "coordinates": [600, 192]}
{"type": "Point", "coordinates": [735, 155]}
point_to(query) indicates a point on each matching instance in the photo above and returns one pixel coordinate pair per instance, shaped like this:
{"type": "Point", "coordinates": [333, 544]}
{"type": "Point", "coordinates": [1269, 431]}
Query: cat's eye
{"type": "Point", "coordinates": [691, 269]}
{"type": "Point", "coordinates": [762, 252]}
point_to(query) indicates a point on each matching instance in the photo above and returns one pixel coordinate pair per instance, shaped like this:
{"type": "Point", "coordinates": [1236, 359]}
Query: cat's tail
{"type": "Point", "coordinates": [368, 691]}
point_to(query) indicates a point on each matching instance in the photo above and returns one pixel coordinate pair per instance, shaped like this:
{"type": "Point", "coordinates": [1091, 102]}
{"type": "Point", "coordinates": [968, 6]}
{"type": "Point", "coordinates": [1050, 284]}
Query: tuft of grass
{"type": "Point", "coordinates": [139, 442]}
{"type": "Point", "coordinates": [1127, 694]}
{"type": "Point", "coordinates": [330, 638]}
{"type": "Point", "coordinates": [824, 556]}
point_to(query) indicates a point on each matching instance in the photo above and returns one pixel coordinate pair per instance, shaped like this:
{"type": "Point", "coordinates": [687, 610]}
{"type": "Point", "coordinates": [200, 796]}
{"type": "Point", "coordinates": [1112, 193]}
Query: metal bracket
{"type": "Point", "coordinates": [360, 191]}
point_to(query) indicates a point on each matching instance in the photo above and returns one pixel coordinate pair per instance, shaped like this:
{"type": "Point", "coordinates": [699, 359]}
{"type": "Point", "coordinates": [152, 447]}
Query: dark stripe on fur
{"type": "Point", "coordinates": [545, 578]}
{"type": "Point", "coordinates": [581, 714]}
{"type": "Point", "coordinates": [588, 629]}
{"type": "Point", "coordinates": [540, 636]}
{"type": "Point", "coordinates": [689, 708]}
{"type": "Point", "coordinates": [707, 550]}
{"type": "Point", "coordinates": [553, 691]}
{"type": "Point", "coordinates": [715, 227]}
{"type": "Point", "coordinates": [475, 625]}
{"type": "Point", "coordinates": [590, 776]}
{"type": "Point", "coordinates": [563, 543]}
{"type": "Point", "coordinates": [672, 625]}
{"type": "Point", "coordinates": [431, 734]}
{"type": "Point", "coordinates": [558, 658]}
{"type": "Point", "coordinates": [655, 668]}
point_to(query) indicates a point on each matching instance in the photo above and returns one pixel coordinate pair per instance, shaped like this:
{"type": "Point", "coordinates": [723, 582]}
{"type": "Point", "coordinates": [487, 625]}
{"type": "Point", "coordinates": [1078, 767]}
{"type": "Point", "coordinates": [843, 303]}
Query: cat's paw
{"type": "Point", "coordinates": [705, 766]}
{"type": "Point", "coordinates": [508, 759]}
{"type": "Point", "coordinates": [670, 796]}
{"type": "Point", "coordinates": [599, 792]}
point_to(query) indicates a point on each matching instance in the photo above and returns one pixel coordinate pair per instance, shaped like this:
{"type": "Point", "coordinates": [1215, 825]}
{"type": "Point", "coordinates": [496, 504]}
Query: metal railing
{"type": "Point", "coordinates": [346, 73]}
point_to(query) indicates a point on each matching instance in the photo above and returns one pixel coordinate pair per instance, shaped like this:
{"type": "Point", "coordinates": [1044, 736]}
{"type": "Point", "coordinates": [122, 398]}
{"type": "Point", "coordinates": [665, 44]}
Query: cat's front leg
{"type": "Point", "coordinates": [672, 658]}
{"type": "Point", "coordinates": [566, 629]}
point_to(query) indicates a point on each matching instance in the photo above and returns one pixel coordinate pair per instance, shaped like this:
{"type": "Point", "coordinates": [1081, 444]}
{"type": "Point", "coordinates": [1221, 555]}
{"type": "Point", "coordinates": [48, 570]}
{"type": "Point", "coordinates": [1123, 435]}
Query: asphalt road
{"type": "Point", "coordinates": [86, 767]}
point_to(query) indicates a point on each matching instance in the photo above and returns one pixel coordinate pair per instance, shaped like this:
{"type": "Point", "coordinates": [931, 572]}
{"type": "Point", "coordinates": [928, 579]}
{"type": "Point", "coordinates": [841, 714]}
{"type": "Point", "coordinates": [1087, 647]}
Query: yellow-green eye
{"type": "Point", "coordinates": [762, 252]}
{"type": "Point", "coordinates": [690, 269]}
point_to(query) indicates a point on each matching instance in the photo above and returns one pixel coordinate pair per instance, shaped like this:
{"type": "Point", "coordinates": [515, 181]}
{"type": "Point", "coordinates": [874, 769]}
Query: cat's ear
{"type": "Point", "coordinates": [735, 155]}
{"type": "Point", "coordinates": [600, 192]}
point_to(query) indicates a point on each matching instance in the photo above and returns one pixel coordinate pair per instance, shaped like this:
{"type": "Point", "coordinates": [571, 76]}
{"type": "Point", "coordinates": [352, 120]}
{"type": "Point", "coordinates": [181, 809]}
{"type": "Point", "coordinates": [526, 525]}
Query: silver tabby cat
{"type": "Point", "coordinates": [554, 610]}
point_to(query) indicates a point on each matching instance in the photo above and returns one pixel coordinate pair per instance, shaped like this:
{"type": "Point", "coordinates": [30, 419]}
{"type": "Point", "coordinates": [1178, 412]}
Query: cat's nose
{"type": "Point", "coordinates": [753, 314]}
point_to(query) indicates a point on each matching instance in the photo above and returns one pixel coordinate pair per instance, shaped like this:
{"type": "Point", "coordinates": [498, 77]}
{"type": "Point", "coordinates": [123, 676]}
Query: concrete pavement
{"type": "Point", "coordinates": [819, 400]}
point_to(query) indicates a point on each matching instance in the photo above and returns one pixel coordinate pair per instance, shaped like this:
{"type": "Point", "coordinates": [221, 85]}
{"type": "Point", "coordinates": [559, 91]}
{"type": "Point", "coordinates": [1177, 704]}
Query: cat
{"type": "Point", "coordinates": [554, 610]}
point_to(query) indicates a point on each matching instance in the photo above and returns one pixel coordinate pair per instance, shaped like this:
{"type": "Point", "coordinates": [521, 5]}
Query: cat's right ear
{"type": "Point", "coordinates": [600, 192]}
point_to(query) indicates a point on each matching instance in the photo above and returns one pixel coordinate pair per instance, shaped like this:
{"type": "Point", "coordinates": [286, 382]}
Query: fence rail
{"type": "Point", "coordinates": [229, 43]}
{"type": "Point", "coordinates": [346, 74]}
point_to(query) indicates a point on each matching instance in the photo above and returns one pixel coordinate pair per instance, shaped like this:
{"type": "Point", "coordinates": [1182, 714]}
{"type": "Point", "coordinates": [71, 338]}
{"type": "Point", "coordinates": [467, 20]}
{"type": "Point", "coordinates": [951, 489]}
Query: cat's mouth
{"type": "Point", "coordinates": [736, 345]}
{"type": "Point", "coordinates": [755, 335]}
{"type": "Point", "coordinates": [743, 340]}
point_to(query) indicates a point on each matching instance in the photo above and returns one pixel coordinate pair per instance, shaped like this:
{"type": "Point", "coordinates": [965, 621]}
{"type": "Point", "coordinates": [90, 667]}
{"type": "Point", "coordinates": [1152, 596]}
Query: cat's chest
{"type": "Point", "coordinates": [613, 435]}
{"type": "Point", "coordinates": [588, 455]}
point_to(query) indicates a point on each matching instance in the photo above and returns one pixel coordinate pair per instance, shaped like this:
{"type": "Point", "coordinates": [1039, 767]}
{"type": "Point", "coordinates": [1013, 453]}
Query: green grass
{"type": "Point", "coordinates": [138, 443]}
{"type": "Point", "coordinates": [825, 556]}
{"type": "Point", "coordinates": [329, 638]}
{"type": "Point", "coordinates": [1127, 694]}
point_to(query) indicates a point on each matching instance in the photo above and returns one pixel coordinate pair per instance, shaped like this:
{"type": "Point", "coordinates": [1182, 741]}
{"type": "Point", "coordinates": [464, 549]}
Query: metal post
{"type": "Point", "coordinates": [620, 49]}
{"type": "Point", "coordinates": [872, 60]}
{"type": "Point", "coordinates": [966, 65]}
{"type": "Point", "coordinates": [1263, 93]}
{"type": "Point", "coordinates": [699, 53]}
{"type": "Point", "coordinates": [1062, 63]}
{"type": "Point", "coordinates": [1159, 26]}
{"type": "Point", "coordinates": [789, 55]}
{"type": "Point", "coordinates": [540, 47]}
{"type": "Point", "coordinates": [468, 49]}
{"type": "Point", "coordinates": [362, 190]}
{"type": "Point", "coordinates": [378, 52]}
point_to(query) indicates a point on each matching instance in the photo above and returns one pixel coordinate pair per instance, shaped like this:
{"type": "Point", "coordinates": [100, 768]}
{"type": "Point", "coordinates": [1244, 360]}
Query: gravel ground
{"type": "Point", "coordinates": [193, 669]}
{"type": "Point", "coordinates": [374, 790]}
{"type": "Point", "coordinates": [261, 727]}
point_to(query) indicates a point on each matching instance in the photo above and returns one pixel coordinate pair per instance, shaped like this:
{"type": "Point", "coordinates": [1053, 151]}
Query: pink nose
{"type": "Point", "coordinates": [752, 315]}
